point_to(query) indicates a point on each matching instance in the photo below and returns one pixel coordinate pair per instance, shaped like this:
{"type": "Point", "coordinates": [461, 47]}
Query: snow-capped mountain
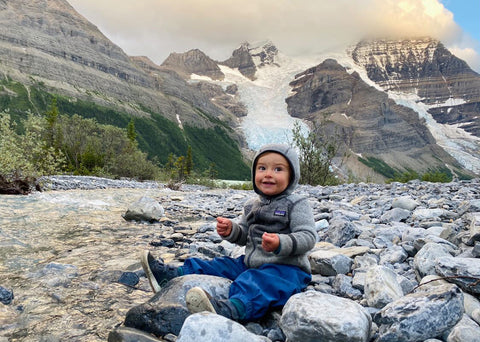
{"type": "Point", "coordinates": [408, 104]}
{"type": "Point", "coordinates": [418, 107]}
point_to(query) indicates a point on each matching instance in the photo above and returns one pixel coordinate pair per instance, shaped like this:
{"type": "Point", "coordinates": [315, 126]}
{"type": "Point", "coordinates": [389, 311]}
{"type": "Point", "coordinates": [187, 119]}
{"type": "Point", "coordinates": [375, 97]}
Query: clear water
{"type": "Point", "coordinates": [60, 253]}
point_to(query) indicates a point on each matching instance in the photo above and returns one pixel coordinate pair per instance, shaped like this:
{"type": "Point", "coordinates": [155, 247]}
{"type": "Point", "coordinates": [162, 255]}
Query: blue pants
{"type": "Point", "coordinates": [259, 289]}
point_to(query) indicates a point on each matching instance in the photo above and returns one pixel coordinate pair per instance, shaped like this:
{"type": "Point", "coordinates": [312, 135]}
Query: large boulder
{"type": "Point", "coordinates": [427, 313]}
{"type": "Point", "coordinates": [166, 311]}
{"type": "Point", "coordinates": [314, 316]}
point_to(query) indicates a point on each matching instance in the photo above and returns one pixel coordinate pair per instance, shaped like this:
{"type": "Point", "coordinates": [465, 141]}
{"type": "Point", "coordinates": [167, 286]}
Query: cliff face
{"type": "Point", "coordinates": [369, 122]}
{"type": "Point", "coordinates": [426, 68]}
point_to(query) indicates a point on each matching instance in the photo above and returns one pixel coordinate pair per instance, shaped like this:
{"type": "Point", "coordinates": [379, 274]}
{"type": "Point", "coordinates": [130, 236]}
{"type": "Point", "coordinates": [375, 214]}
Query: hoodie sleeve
{"type": "Point", "coordinates": [239, 232]}
{"type": "Point", "coordinates": [303, 235]}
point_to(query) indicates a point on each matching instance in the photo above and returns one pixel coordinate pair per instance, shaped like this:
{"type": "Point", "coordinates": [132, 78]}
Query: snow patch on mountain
{"type": "Point", "coordinates": [460, 144]}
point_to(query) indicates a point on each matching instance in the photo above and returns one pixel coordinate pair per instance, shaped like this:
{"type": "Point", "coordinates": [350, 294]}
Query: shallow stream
{"type": "Point", "coordinates": [60, 253]}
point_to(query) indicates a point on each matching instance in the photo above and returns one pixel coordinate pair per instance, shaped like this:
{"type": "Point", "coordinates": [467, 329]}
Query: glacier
{"type": "Point", "coordinates": [268, 120]}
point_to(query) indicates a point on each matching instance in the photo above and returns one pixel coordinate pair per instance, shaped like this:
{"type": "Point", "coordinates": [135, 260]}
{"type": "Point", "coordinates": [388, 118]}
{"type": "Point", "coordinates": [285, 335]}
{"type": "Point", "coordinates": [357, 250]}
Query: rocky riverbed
{"type": "Point", "coordinates": [64, 250]}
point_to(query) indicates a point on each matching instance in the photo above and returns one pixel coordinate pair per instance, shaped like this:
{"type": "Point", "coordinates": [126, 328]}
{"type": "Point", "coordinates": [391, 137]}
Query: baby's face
{"type": "Point", "coordinates": [272, 173]}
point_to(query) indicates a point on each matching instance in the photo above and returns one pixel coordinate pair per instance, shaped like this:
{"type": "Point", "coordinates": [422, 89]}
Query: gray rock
{"type": "Point", "coordinates": [405, 202]}
{"type": "Point", "coordinates": [381, 286]}
{"type": "Point", "coordinates": [145, 209]}
{"type": "Point", "coordinates": [329, 263]}
{"type": "Point", "coordinates": [321, 225]}
{"type": "Point", "coordinates": [474, 230]}
{"type": "Point", "coordinates": [340, 231]}
{"type": "Point", "coordinates": [433, 214]}
{"type": "Point", "coordinates": [476, 250]}
{"type": "Point", "coordinates": [476, 315]}
{"type": "Point", "coordinates": [462, 271]}
{"type": "Point", "coordinates": [6, 295]}
{"type": "Point", "coordinates": [343, 286]}
{"type": "Point", "coordinates": [470, 303]}
{"type": "Point", "coordinates": [393, 255]}
{"type": "Point", "coordinates": [166, 311]}
{"type": "Point", "coordinates": [358, 280]}
{"type": "Point", "coordinates": [395, 215]}
{"type": "Point", "coordinates": [206, 326]}
{"type": "Point", "coordinates": [412, 234]}
{"type": "Point", "coordinates": [364, 262]}
{"type": "Point", "coordinates": [421, 315]}
{"type": "Point", "coordinates": [314, 316]}
{"type": "Point", "coordinates": [124, 334]}
{"type": "Point", "coordinates": [426, 258]}
{"type": "Point", "coordinates": [466, 330]}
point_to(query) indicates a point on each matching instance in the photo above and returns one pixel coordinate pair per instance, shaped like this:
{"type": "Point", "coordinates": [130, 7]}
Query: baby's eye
{"type": "Point", "coordinates": [278, 169]}
{"type": "Point", "coordinates": [261, 168]}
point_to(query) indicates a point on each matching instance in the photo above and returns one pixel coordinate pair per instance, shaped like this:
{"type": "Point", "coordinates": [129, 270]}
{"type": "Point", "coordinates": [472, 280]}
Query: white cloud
{"type": "Point", "coordinates": [158, 27]}
{"type": "Point", "coordinates": [469, 55]}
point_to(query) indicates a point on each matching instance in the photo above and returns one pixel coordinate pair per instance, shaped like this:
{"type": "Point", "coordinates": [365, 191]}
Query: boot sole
{"type": "Point", "coordinates": [197, 301]}
{"type": "Point", "coordinates": [148, 272]}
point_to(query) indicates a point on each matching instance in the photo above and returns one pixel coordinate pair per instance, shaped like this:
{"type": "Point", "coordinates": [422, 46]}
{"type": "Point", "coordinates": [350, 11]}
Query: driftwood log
{"type": "Point", "coordinates": [18, 186]}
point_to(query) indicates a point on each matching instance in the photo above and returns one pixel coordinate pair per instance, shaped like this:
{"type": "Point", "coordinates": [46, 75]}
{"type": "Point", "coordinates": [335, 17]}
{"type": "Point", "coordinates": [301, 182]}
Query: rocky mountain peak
{"type": "Point", "coordinates": [193, 62]}
{"type": "Point", "coordinates": [247, 58]}
{"type": "Point", "coordinates": [242, 60]}
{"type": "Point", "coordinates": [264, 53]}
{"type": "Point", "coordinates": [422, 65]}
{"type": "Point", "coordinates": [370, 122]}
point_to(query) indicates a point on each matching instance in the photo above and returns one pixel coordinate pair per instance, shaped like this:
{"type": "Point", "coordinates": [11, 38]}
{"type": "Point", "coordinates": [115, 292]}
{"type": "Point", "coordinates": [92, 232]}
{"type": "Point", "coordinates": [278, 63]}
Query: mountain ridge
{"type": "Point", "coordinates": [51, 46]}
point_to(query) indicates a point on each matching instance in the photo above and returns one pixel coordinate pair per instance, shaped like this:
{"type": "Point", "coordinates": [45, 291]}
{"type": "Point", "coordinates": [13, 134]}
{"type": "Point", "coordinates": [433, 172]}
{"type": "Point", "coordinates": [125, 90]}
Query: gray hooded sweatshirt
{"type": "Point", "coordinates": [287, 214]}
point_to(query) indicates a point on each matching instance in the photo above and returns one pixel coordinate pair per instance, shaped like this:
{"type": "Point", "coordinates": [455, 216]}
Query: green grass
{"type": "Point", "coordinates": [380, 167]}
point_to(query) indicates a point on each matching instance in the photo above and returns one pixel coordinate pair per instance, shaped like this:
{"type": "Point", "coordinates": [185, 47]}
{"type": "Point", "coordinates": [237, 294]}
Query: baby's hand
{"type": "Point", "coordinates": [224, 226]}
{"type": "Point", "coordinates": [270, 242]}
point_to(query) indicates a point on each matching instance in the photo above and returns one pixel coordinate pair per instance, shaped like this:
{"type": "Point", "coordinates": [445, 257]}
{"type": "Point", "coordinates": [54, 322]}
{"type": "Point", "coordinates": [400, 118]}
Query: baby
{"type": "Point", "coordinates": [277, 229]}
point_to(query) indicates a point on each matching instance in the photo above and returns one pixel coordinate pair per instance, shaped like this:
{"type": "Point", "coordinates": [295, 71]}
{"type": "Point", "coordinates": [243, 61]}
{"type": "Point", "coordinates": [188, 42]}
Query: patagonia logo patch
{"type": "Point", "coordinates": [279, 212]}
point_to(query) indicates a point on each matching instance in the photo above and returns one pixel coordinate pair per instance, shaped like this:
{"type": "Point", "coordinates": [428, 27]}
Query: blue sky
{"type": "Point", "coordinates": [466, 13]}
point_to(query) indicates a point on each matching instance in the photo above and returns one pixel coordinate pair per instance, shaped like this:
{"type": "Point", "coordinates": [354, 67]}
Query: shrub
{"type": "Point", "coordinates": [316, 152]}
{"type": "Point", "coordinates": [26, 155]}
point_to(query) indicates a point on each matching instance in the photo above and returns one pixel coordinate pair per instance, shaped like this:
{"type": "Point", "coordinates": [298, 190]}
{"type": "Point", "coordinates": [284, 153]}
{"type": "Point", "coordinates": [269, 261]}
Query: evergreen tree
{"type": "Point", "coordinates": [180, 168]}
{"type": "Point", "coordinates": [131, 132]}
{"type": "Point", "coordinates": [53, 135]}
